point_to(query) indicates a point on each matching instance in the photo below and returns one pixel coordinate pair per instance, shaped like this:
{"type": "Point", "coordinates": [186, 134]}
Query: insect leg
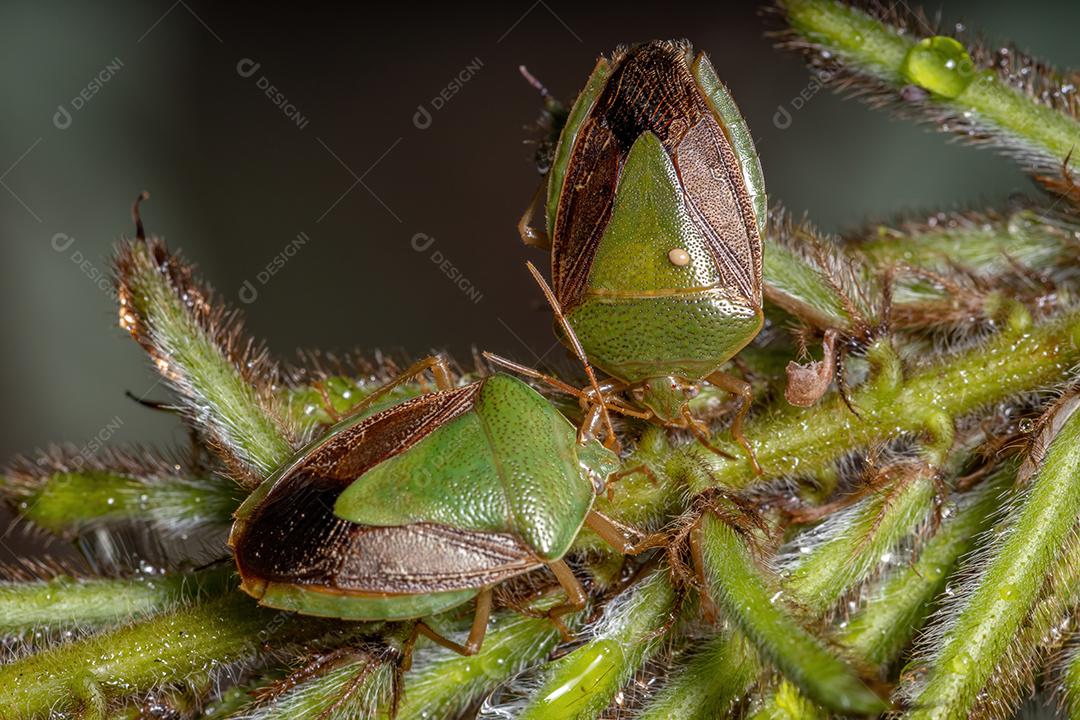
{"type": "Point", "coordinates": [530, 235]}
{"type": "Point", "coordinates": [619, 536]}
{"type": "Point", "coordinates": [701, 432]}
{"type": "Point", "coordinates": [480, 622]}
{"type": "Point", "coordinates": [534, 374]}
{"type": "Point", "coordinates": [708, 607]}
{"type": "Point", "coordinates": [476, 633]}
{"type": "Point", "coordinates": [611, 441]}
{"type": "Point", "coordinates": [575, 597]}
{"type": "Point", "coordinates": [609, 531]}
{"type": "Point", "coordinates": [589, 426]}
{"type": "Point", "coordinates": [586, 396]}
{"type": "Point", "coordinates": [742, 389]}
{"type": "Point", "coordinates": [438, 366]}
{"type": "Point", "coordinates": [636, 470]}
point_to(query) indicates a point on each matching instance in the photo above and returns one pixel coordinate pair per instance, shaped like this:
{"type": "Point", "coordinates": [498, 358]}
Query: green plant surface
{"type": "Point", "coordinates": [182, 646]}
{"type": "Point", "coordinates": [893, 57]}
{"type": "Point", "coordinates": [446, 683]}
{"type": "Point", "coordinates": [908, 548]}
{"type": "Point", "coordinates": [88, 603]}
{"type": "Point", "coordinates": [886, 624]}
{"type": "Point", "coordinates": [582, 683]}
{"type": "Point", "coordinates": [1026, 553]}
{"type": "Point", "coordinates": [710, 683]}
{"type": "Point", "coordinates": [172, 319]}
{"type": "Point", "coordinates": [739, 589]}
{"type": "Point", "coordinates": [72, 501]}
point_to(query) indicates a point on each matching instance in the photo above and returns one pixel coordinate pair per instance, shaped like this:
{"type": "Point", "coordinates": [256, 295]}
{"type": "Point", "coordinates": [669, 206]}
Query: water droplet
{"type": "Point", "coordinates": [939, 64]}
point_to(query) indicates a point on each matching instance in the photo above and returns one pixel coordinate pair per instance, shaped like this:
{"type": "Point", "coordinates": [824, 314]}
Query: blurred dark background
{"type": "Point", "coordinates": [102, 100]}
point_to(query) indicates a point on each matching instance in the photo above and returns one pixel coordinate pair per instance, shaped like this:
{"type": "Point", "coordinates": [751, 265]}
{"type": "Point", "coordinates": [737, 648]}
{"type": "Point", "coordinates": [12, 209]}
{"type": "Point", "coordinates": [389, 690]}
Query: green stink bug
{"type": "Point", "coordinates": [655, 213]}
{"type": "Point", "coordinates": [424, 506]}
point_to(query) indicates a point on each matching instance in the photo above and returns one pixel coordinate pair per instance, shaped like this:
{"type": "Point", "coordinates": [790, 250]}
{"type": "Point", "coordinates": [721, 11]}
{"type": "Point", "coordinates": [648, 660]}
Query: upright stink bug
{"type": "Point", "coordinates": [424, 506]}
{"type": "Point", "coordinates": [655, 213]}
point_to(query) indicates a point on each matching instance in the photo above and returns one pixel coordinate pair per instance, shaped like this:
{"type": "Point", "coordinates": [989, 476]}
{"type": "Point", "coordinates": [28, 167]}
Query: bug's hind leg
{"type": "Point", "coordinates": [476, 634]}
{"type": "Point", "coordinates": [741, 389]}
{"type": "Point", "coordinates": [575, 597]}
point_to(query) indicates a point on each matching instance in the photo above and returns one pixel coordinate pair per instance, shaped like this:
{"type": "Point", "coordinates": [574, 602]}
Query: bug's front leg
{"type": "Point", "coordinates": [743, 390]}
{"type": "Point", "coordinates": [440, 371]}
{"type": "Point", "coordinates": [620, 537]}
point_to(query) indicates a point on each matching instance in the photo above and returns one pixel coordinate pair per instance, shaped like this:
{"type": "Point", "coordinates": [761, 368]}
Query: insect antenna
{"type": "Point", "coordinates": [612, 441]}
{"type": "Point", "coordinates": [549, 100]}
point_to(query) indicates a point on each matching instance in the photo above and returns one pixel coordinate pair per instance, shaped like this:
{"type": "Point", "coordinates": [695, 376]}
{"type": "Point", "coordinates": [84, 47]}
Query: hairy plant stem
{"type": "Point", "coordinates": [1070, 681]}
{"type": "Point", "coordinates": [739, 587]}
{"type": "Point", "coordinates": [581, 684]}
{"type": "Point", "coordinates": [172, 318]}
{"type": "Point", "coordinates": [708, 684]}
{"type": "Point", "coordinates": [442, 683]}
{"type": "Point", "coordinates": [853, 544]}
{"type": "Point", "coordinates": [867, 46]}
{"type": "Point", "coordinates": [1026, 554]}
{"type": "Point", "coordinates": [860, 540]}
{"type": "Point", "coordinates": [879, 631]}
{"type": "Point", "coordinates": [787, 703]}
{"type": "Point", "coordinates": [89, 603]}
{"type": "Point", "coordinates": [804, 442]}
{"type": "Point", "coordinates": [67, 503]}
{"type": "Point", "coordinates": [927, 402]}
{"type": "Point", "coordinates": [184, 646]}
{"type": "Point", "coordinates": [983, 244]}
{"type": "Point", "coordinates": [445, 683]}
{"type": "Point", "coordinates": [1041, 636]}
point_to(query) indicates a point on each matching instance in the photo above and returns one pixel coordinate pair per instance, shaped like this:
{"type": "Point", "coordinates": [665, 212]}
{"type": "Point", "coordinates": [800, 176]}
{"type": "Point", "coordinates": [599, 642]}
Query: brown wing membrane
{"type": "Point", "coordinates": [295, 537]}
{"type": "Point", "coordinates": [584, 210]}
{"type": "Point", "coordinates": [652, 89]}
{"type": "Point", "coordinates": [717, 198]}
{"type": "Point", "coordinates": [352, 452]}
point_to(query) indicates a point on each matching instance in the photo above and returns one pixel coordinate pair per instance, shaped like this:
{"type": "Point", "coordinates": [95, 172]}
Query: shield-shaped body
{"type": "Point", "coordinates": [415, 509]}
{"type": "Point", "coordinates": [656, 209]}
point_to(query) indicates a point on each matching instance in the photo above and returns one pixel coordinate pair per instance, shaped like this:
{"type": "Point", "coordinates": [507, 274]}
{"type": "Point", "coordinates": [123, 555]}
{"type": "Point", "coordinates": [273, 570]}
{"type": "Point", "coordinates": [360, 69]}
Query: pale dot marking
{"type": "Point", "coordinates": [678, 257]}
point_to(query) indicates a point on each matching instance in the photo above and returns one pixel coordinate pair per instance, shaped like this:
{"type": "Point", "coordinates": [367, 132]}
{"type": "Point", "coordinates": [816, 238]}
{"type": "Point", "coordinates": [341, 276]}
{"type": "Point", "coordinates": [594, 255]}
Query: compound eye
{"type": "Point", "coordinates": [678, 257]}
{"type": "Point", "coordinates": [599, 483]}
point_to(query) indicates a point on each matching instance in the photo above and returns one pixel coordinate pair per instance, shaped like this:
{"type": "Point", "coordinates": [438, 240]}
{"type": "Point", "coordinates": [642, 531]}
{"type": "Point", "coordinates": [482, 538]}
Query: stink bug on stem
{"type": "Point", "coordinates": [656, 210]}
{"type": "Point", "coordinates": [423, 506]}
